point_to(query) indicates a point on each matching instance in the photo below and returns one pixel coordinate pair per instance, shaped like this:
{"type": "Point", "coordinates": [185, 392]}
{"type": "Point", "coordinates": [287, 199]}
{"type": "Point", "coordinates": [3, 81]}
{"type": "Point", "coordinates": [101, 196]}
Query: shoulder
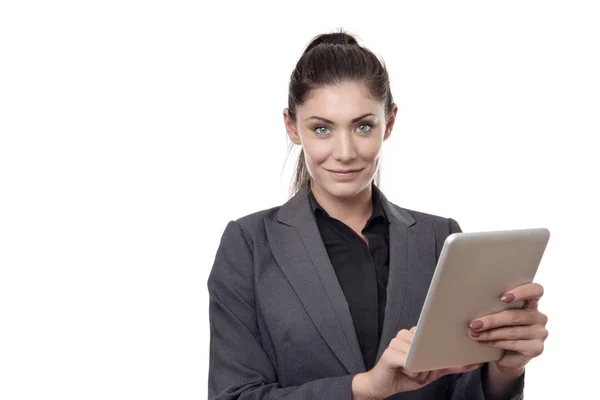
{"type": "Point", "coordinates": [250, 226]}
{"type": "Point", "coordinates": [236, 248]}
{"type": "Point", "coordinates": [442, 225]}
{"type": "Point", "coordinates": [256, 219]}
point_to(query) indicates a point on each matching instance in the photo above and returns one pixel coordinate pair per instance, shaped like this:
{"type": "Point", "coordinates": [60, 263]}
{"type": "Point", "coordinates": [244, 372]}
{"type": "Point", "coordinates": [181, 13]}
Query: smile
{"type": "Point", "coordinates": [344, 175]}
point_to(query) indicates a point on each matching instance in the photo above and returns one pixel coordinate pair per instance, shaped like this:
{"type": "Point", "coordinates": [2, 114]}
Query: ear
{"type": "Point", "coordinates": [390, 123]}
{"type": "Point", "coordinates": [290, 127]}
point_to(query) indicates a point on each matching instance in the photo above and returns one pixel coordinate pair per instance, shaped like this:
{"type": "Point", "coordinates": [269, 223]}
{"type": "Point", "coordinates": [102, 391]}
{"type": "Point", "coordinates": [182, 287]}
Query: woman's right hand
{"type": "Point", "coordinates": [389, 377]}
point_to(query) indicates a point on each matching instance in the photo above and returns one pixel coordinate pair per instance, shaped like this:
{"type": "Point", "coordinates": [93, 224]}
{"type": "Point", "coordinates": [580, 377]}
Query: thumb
{"type": "Point", "coordinates": [410, 374]}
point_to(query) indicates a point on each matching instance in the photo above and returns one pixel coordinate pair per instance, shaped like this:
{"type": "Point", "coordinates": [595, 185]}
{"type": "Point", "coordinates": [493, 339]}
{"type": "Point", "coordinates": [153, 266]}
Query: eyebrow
{"type": "Point", "coordinates": [333, 123]}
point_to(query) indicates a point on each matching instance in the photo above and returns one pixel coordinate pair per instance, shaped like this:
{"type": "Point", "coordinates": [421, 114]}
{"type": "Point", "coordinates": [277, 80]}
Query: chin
{"type": "Point", "coordinates": [344, 189]}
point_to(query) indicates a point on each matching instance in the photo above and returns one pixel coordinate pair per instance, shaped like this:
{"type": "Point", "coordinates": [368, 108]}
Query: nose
{"type": "Point", "coordinates": [345, 149]}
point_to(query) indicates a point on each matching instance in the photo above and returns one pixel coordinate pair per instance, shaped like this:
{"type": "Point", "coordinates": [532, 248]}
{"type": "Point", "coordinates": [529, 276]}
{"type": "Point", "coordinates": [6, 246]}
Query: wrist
{"type": "Point", "coordinates": [361, 387]}
{"type": "Point", "coordinates": [505, 374]}
{"type": "Point", "coordinates": [500, 381]}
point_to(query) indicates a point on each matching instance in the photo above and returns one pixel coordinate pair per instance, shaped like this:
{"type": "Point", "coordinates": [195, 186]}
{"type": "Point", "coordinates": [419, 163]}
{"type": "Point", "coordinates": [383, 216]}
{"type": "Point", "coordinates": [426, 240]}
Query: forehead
{"type": "Point", "coordinates": [340, 102]}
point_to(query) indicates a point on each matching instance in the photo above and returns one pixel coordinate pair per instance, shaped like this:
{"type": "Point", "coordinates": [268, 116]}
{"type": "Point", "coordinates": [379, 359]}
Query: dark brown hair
{"type": "Point", "coordinates": [330, 59]}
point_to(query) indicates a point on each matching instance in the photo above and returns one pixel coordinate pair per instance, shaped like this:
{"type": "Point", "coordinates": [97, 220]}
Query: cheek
{"type": "Point", "coordinates": [369, 150]}
{"type": "Point", "coordinates": [315, 152]}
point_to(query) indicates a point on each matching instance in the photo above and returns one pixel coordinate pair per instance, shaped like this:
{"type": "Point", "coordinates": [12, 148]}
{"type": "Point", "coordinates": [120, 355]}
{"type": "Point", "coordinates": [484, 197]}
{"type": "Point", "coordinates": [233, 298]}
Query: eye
{"type": "Point", "coordinates": [321, 130]}
{"type": "Point", "coordinates": [366, 128]}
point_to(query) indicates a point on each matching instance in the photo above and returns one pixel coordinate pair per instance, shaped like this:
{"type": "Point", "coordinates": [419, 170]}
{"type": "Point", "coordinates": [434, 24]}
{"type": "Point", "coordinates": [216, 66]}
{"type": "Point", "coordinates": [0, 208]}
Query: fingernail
{"type": "Point", "coordinates": [474, 334]}
{"type": "Point", "coordinates": [507, 298]}
{"type": "Point", "coordinates": [476, 325]}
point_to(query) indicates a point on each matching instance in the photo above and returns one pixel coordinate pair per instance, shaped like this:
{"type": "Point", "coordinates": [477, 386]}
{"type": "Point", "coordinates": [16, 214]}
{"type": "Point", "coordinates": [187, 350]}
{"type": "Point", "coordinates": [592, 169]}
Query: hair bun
{"type": "Point", "coordinates": [336, 38]}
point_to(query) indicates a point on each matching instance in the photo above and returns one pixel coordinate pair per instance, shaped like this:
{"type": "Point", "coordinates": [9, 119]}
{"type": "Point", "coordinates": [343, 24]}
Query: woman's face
{"type": "Point", "coordinates": [341, 129]}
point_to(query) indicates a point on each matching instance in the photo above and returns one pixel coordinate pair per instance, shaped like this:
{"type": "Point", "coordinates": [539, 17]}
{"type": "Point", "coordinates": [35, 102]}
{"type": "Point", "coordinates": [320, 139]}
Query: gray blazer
{"type": "Point", "coordinates": [280, 327]}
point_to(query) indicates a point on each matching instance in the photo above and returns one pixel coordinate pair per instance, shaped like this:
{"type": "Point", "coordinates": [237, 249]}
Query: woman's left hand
{"type": "Point", "coordinates": [521, 332]}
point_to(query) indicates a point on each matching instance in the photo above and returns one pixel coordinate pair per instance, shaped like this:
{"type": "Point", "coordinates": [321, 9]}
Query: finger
{"type": "Point", "coordinates": [530, 292]}
{"type": "Point", "coordinates": [428, 377]}
{"type": "Point", "coordinates": [455, 370]}
{"type": "Point", "coordinates": [435, 375]}
{"type": "Point", "coordinates": [529, 348]}
{"type": "Point", "coordinates": [407, 333]}
{"type": "Point", "coordinates": [422, 377]}
{"type": "Point", "coordinates": [400, 344]}
{"type": "Point", "coordinates": [509, 318]}
{"type": "Point", "coordinates": [425, 378]}
{"type": "Point", "coordinates": [394, 358]}
{"type": "Point", "coordinates": [412, 375]}
{"type": "Point", "coordinates": [406, 342]}
{"type": "Point", "coordinates": [511, 333]}
{"type": "Point", "coordinates": [405, 336]}
{"type": "Point", "coordinates": [461, 369]}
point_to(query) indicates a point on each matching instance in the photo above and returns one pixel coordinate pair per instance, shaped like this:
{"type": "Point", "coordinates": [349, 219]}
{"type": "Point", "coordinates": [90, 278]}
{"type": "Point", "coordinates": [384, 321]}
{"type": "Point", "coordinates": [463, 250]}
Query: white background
{"type": "Point", "coordinates": [131, 132]}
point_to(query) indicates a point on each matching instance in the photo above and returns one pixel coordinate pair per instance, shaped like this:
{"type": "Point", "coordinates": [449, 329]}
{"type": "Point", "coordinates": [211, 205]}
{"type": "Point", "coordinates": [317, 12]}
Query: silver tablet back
{"type": "Point", "coordinates": [473, 271]}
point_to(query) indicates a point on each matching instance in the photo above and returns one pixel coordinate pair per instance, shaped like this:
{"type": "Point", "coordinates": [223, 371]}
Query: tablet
{"type": "Point", "coordinates": [473, 271]}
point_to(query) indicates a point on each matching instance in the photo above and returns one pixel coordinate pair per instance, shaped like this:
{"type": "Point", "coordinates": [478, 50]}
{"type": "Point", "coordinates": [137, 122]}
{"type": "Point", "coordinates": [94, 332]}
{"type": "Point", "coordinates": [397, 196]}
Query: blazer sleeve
{"type": "Point", "coordinates": [239, 367]}
{"type": "Point", "coordinates": [472, 385]}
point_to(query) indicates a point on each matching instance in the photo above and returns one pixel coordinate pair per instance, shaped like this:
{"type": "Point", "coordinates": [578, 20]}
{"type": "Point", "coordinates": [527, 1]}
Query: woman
{"type": "Point", "coordinates": [318, 298]}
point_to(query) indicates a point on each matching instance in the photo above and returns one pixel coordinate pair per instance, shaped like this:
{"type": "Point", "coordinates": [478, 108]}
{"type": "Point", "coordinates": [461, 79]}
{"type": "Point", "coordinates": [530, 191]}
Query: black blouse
{"type": "Point", "coordinates": [361, 269]}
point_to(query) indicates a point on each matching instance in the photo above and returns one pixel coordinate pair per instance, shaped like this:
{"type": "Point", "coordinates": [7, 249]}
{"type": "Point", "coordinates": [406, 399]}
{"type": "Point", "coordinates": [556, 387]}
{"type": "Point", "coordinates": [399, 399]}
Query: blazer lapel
{"type": "Point", "coordinates": [299, 250]}
{"type": "Point", "coordinates": [412, 253]}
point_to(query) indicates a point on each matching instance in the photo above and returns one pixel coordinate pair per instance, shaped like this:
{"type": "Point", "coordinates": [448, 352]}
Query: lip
{"type": "Point", "coordinates": [344, 175]}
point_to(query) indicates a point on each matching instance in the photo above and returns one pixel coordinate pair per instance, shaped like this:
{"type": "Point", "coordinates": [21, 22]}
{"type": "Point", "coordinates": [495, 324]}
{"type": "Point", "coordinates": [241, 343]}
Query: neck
{"type": "Point", "coordinates": [357, 207]}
